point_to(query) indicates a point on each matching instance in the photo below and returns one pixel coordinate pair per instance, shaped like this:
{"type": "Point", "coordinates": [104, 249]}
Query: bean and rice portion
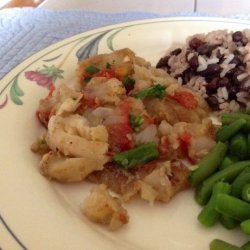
{"type": "Point", "coordinates": [217, 65]}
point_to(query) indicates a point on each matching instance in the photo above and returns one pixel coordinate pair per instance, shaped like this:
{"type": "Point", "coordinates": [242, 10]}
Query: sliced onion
{"type": "Point", "coordinates": [146, 135]}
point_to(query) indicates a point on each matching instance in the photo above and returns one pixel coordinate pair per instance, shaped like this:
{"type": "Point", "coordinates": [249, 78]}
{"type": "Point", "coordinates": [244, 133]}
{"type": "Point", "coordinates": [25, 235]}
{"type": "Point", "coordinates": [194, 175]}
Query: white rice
{"type": "Point", "coordinates": [228, 59]}
{"type": "Point", "coordinates": [226, 68]}
{"type": "Point", "coordinates": [225, 52]}
{"type": "Point", "coordinates": [202, 64]}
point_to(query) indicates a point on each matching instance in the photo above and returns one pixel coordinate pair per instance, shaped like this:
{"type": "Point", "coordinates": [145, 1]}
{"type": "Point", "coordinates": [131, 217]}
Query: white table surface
{"type": "Point", "coordinates": [220, 7]}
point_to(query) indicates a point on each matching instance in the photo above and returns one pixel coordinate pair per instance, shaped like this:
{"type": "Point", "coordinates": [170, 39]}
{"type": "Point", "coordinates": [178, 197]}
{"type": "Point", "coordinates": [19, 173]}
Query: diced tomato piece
{"type": "Point", "coordinates": [51, 90]}
{"type": "Point", "coordinates": [108, 73]}
{"type": "Point", "coordinates": [43, 121]}
{"type": "Point", "coordinates": [185, 140]}
{"type": "Point", "coordinates": [123, 218]}
{"type": "Point", "coordinates": [186, 137]}
{"type": "Point", "coordinates": [120, 137]}
{"type": "Point", "coordinates": [120, 134]}
{"type": "Point", "coordinates": [90, 102]}
{"type": "Point", "coordinates": [43, 118]}
{"type": "Point", "coordinates": [149, 119]}
{"type": "Point", "coordinates": [164, 145]}
{"type": "Point", "coordinates": [124, 108]}
{"type": "Point", "coordinates": [186, 99]}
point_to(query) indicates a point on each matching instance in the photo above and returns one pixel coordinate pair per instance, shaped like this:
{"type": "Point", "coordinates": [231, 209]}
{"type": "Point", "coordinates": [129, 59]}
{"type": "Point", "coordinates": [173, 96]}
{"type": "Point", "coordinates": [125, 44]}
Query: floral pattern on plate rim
{"type": "Point", "coordinates": [49, 73]}
{"type": "Point", "coordinates": [47, 76]}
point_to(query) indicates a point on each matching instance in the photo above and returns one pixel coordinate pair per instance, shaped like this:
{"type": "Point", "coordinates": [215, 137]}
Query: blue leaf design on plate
{"type": "Point", "coordinates": [90, 48]}
{"type": "Point", "coordinates": [110, 39]}
{"type": "Point", "coordinates": [52, 59]}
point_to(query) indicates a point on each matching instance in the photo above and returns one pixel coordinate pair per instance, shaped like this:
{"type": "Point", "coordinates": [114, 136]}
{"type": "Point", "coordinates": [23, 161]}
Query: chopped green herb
{"type": "Point", "coordinates": [128, 82]}
{"type": "Point", "coordinates": [108, 65]}
{"type": "Point", "coordinates": [136, 121]}
{"type": "Point", "coordinates": [92, 69]}
{"type": "Point", "coordinates": [87, 79]}
{"type": "Point", "coordinates": [137, 156]}
{"type": "Point", "coordinates": [157, 91]}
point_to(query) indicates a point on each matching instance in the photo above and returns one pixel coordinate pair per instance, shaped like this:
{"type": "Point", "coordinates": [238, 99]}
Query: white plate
{"type": "Point", "coordinates": [38, 214]}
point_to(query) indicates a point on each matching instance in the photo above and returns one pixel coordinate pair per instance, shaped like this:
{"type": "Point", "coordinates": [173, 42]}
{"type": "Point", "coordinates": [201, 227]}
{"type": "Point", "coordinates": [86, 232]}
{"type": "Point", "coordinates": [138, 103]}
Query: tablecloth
{"type": "Point", "coordinates": [24, 31]}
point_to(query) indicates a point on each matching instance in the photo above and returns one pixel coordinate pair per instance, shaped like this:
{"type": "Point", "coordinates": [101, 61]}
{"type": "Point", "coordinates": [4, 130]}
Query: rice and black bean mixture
{"type": "Point", "coordinates": [217, 65]}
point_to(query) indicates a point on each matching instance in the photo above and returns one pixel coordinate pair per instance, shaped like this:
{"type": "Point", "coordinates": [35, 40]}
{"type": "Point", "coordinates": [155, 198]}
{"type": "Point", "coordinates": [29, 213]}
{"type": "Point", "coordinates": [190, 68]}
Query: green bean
{"type": "Point", "coordinates": [228, 222]}
{"type": "Point", "coordinates": [248, 142]}
{"type": "Point", "coordinates": [246, 246]}
{"type": "Point", "coordinates": [227, 175]}
{"type": "Point", "coordinates": [232, 207]}
{"type": "Point", "coordinates": [226, 132]}
{"type": "Point", "coordinates": [208, 215]}
{"type": "Point", "coordinates": [231, 117]}
{"type": "Point", "coordinates": [225, 118]}
{"type": "Point", "coordinates": [209, 164]}
{"type": "Point", "coordinates": [238, 146]}
{"type": "Point", "coordinates": [228, 160]}
{"type": "Point", "coordinates": [245, 226]}
{"type": "Point", "coordinates": [245, 194]}
{"type": "Point", "coordinates": [240, 181]}
{"type": "Point", "coordinates": [247, 111]}
{"type": "Point", "coordinates": [137, 156]}
{"type": "Point", "coordinates": [222, 245]}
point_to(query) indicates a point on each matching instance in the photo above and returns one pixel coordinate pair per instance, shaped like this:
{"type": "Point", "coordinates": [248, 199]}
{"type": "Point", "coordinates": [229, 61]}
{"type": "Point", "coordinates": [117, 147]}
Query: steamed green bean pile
{"type": "Point", "coordinates": [222, 180]}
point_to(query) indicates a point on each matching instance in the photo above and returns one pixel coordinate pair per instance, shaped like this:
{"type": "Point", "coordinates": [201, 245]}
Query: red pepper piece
{"type": "Point", "coordinates": [108, 73]}
{"type": "Point", "coordinates": [185, 140]}
{"type": "Point", "coordinates": [186, 99]}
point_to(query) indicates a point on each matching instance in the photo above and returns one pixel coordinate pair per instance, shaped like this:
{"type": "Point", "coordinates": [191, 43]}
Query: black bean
{"type": "Point", "coordinates": [242, 67]}
{"type": "Point", "coordinates": [231, 73]}
{"type": "Point", "coordinates": [211, 70]}
{"type": "Point", "coordinates": [212, 86]}
{"type": "Point", "coordinates": [219, 55]}
{"type": "Point", "coordinates": [213, 102]}
{"type": "Point", "coordinates": [163, 62]}
{"type": "Point", "coordinates": [232, 91]}
{"type": "Point", "coordinates": [237, 36]}
{"type": "Point", "coordinates": [175, 52]}
{"type": "Point", "coordinates": [223, 82]}
{"type": "Point", "coordinates": [186, 76]}
{"type": "Point", "coordinates": [235, 77]}
{"type": "Point", "coordinates": [236, 60]}
{"type": "Point", "coordinates": [236, 82]}
{"type": "Point", "coordinates": [204, 49]}
{"type": "Point", "coordinates": [195, 43]}
{"type": "Point", "coordinates": [193, 62]}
